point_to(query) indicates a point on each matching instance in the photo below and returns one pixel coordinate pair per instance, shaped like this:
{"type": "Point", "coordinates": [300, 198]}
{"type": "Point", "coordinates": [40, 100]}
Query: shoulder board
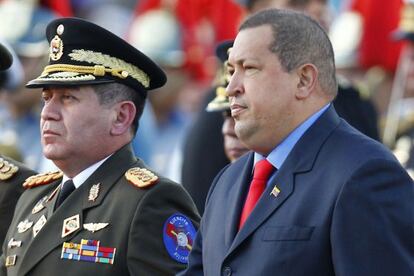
{"type": "Point", "coordinates": [42, 179]}
{"type": "Point", "coordinates": [7, 169]}
{"type": "Point", "coordinates": [140, 177]}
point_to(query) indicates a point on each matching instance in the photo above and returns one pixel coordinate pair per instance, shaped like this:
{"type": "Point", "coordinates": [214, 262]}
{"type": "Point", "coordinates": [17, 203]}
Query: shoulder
{"type": "Point", "coordinates": [13, 171]}
{"type": "Point", "coordinates": [141, 177]}
{"type": "Point", "coordinates": [42, 179]}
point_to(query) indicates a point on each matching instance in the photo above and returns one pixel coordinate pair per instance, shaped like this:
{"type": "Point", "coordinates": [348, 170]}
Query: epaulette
{"type": "Point", "coordinates": [7, 169]}
{"type": "Point", "coordinates": [140, 177]}
{"type": "Point", "coordinates": [42, 179]}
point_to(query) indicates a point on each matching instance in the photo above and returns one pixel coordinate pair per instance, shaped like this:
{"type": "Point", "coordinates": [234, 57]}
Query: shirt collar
{"type": "Point", "coordinates": [80, 178]}
{"type": "Point", "coordinates": [279, 154]}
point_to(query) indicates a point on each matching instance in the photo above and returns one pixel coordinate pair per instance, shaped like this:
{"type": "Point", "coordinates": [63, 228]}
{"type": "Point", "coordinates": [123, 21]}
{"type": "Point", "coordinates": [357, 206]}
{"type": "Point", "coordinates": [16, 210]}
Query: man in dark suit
{"type": "Point", "coordinates": [105, 212]}
{"type": "Point", "coordinates": [203, 155]}
{"type": "Point", "coordinates": [324, 199]}
{"type": "Point", "coordinates": [12, 173]}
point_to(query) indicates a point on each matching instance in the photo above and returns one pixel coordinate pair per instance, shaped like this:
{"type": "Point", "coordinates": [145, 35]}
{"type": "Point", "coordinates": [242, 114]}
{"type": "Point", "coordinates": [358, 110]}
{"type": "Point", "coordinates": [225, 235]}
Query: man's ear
{"type": "Point", "coordinates": [125, 112]}
{"type": "Point", "coordinates": [308, 78]}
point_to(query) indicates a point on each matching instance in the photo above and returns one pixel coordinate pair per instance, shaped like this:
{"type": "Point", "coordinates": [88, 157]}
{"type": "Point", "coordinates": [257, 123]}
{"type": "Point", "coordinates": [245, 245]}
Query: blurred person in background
{"type": "Point", "coordinates": [12, 173]}
{"type": "Point", "coordinates": [164, 124]}
{"type": "Point", "coordinates": [23, 25]}
{"type": "Point", "coordinates": [402, 106]}
{"type": "Point", "coordinates": [233, 147]}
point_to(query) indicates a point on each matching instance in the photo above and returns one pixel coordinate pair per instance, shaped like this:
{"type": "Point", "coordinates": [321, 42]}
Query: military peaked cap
{"type": "Point", "coordinates": [82, 53]}
{"type": "Point", "coordinates": [5, 58]}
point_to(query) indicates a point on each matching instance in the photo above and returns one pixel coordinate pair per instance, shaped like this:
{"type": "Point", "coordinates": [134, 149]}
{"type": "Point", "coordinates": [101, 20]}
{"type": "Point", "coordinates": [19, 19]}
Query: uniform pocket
{"type": "Point", "coordinates": [287, 233]}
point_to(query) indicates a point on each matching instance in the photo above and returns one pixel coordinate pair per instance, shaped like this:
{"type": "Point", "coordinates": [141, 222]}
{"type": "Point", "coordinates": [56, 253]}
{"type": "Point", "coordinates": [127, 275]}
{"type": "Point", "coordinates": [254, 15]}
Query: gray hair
{"type": "Point", "coordinates": [112, 93]}
{"type": "Point", "coordinates": [297, 40]}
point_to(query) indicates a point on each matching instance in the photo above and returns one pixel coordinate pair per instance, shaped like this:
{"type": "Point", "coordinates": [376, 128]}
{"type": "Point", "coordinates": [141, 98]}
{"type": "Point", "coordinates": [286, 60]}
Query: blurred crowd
{"type": "Point", "coordinates": [181, 36]}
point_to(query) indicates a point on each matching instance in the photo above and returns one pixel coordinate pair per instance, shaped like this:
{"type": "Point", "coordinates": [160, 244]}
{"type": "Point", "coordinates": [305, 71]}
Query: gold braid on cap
{"type": "Point", "coordinates": [104, 64]}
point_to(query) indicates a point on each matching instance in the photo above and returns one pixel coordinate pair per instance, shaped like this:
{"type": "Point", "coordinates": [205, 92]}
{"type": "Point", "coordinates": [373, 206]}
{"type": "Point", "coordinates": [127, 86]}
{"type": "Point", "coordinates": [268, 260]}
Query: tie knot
{"type": "Point", "coordinates": [262, 170]}
{"type": "Point", "coordinates": [67, 188]}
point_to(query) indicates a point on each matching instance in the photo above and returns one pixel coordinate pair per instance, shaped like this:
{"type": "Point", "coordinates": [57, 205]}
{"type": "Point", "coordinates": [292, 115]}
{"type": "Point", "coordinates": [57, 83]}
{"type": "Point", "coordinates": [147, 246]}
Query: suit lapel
{"type": "Point", "coordinates": [236, 194]}
{"type": "Point", "coordinates": [300, 160]}
{"type": "Point", "coordinates": [77, 203]}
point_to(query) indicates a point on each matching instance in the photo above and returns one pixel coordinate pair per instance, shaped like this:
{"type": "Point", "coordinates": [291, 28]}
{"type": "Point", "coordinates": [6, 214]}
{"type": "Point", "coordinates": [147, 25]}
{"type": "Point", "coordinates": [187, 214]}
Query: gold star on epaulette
{"type": "Point", "coordinates": [7, 169]}
{"type": "Point", "coordinates": [141, 177]}
{"type": "Point", "coordinates": [42, 179]}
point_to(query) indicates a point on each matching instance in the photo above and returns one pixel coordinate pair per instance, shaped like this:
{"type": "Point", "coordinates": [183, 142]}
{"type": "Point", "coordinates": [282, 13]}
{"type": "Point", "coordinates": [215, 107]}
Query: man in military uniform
{"type": "Point", "coordinates": [233, 147]}
{"type": "Point", "coordinates": [12, 173]}
{"type": "Point", "coordinates": [105, 212]}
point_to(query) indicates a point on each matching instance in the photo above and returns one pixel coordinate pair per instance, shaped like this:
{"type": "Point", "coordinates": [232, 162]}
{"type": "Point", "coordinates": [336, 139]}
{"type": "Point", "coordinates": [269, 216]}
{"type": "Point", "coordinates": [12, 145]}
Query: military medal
{"type": "Point", "coordinates": [23, 226]}
{"type": "Point", "coordinates": [13, 243]}
{"type": "Point", "coordinates": [94, 192]}
{"type": "Point", "coordinates": [11, 260]}
{"type": "Point", "coordinates": [39, 225]}
{"type": "Point", "coordinates": [275, 192]}
{"type": "Point", "coordinates": [93, 227]}
{"type": "Point", "coordinates": [70, 225]}
{"type": "Point", "coordinates": [88, 251]}
{"type": "Point", "coordinates": [39, 205]}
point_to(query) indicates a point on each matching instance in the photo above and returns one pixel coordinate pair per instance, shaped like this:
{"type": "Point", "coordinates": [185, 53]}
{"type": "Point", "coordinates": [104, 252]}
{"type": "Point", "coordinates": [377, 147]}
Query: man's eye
{"type": "Point", "coordinates": [45, 98]}
{"type": "Point", "coordinates": [68, 97]}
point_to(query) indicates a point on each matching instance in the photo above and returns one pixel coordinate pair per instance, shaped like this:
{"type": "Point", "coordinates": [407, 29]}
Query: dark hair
{"type": "Point", "coordinates": [297, 40]}
{"type": "Point", "coordinates": [111, 93]}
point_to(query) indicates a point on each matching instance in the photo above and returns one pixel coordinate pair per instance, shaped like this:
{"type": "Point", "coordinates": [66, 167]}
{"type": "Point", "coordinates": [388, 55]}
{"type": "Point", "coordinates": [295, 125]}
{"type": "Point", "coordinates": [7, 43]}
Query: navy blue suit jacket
{"type": "Point", "coordinates": [345, 207]}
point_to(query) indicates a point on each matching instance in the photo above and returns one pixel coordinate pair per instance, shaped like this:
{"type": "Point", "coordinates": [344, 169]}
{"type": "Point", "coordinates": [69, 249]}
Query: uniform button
{"type": "Point", "coordinates": [227, 271]}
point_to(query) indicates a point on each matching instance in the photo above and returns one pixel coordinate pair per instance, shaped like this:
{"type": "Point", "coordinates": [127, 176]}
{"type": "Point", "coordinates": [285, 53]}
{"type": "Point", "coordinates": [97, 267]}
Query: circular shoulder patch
{"type": "Point", "coordinates": [178, 236]}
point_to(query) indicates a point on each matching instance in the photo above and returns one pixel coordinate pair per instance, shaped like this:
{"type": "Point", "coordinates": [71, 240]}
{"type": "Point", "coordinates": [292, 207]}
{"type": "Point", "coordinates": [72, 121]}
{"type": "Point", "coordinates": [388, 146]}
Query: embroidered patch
{"type": "Point", "coordinates": [178, 235]}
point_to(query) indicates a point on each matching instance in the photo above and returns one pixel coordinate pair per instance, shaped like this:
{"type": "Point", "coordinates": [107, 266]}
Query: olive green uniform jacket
{"type": "Point", "coordinates": [135, 217]}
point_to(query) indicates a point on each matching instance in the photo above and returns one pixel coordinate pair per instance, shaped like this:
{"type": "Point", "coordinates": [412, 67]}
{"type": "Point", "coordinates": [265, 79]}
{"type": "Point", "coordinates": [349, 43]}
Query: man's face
{"type": "Point", "coordinates": [74, 126]}
{"type": "Point", "coordinates": [233, 147]}
{"type": "Point", "coordinates": [261, 92]}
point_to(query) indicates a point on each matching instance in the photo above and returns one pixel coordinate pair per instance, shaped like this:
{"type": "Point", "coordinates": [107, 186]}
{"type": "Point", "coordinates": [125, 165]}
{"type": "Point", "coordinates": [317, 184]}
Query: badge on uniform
{"type": "Point", "coordinates": [275, 192]}
{"type": "Point", "coordinates": [70, 225]}
{"type": "Point", "coordinates": [94, 192]}
{"type": "Point", "coordinates": [88, 251]}
{"type": "Point", "coordinates": [93, 227]}
{"type": "Point", "coordinates": [10, 260]}
{"type": "Point", "coordinates": [23, 226]}
{"type": "Point", "coordinates": [178, 235]}
{"type": "Point", "coordinates": [13, 243]}
{"type": "Point", "coordinates": [39, 225]}
{"type": "Point", "coordinates": [39, 205]}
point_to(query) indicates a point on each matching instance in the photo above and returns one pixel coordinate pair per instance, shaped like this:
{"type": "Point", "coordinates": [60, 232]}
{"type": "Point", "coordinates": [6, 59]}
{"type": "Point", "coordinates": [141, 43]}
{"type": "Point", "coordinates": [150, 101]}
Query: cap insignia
{"type": "Point", "coordinates": [7, 169]}
{"type": "Point", "coordinates": [141, 177]}
{"type": "Point", "coordinates": [60, 29]}
{"type": "Point", "coordinates": [56, 48]}
{"type": "Point", "coordinates": [42, 179]}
